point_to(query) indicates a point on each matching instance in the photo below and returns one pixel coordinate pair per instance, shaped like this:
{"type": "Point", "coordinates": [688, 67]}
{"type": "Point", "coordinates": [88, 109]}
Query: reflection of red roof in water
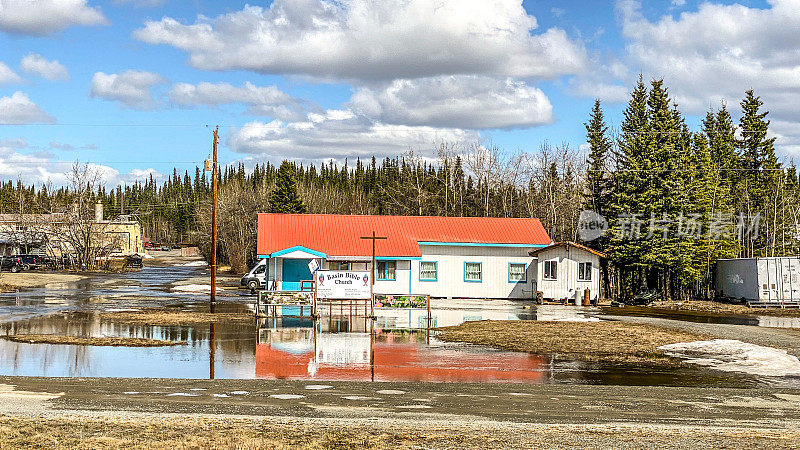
{"type": "Point", "coordinates": [407, 362]}
{"type": "Point", "coordinates": [338, 235]}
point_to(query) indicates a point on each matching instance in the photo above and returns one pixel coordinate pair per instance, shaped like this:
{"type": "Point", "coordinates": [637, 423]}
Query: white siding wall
{"type": "Point", "coordinates": [494, 267]}
{"type": "Point", "coordinates": [566, 284]}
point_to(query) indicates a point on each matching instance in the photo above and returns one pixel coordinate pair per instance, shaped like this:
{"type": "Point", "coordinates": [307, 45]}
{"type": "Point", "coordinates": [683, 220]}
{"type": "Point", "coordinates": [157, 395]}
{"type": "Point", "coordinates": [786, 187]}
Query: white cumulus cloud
{"type": "Point", "coordinates": [132, 88]}
{"type": "Point", "coordinates": [261, 100]}
{"type": "Point", "coordinates": [7, 76]}
{"type": "Point", "coordinates": [462, 101]}
{"type": "Point", "coordinates": [41, 167]}
{"type": "Point", "coordinates": [374, 40]}
{"type": "Point", "coordinates": [39, 65]}
{"type": "Point", "coordinates": [44, 17]}
{"type": "Point", "coordinates": [338, 134]}
{"type": "Point", "coordinates": [18, 109]}
{"type": "Point", "coordinates": [717, 51]}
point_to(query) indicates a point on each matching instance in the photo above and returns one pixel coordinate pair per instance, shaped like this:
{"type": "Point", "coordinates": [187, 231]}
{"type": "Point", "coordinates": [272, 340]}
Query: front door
{"type": "Point", "coordinates": [295, 271]}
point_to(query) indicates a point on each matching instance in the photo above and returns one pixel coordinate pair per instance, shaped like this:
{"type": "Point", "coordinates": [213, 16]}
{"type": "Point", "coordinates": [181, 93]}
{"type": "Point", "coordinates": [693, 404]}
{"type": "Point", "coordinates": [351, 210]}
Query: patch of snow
{"type": "Point", "coordinates": [194, 288]}
{"type": "Point", "coordinates": [577, 319]}
{"type": "Point", "coordinates": [240, 393]}
{"type": "Point", "coordinates": [414, 406]}
{"type": "Point", "coordinates": [181, 394]}
{"type": "Point", "coordinates": [198, 389]}
{"type": "Point", "coordinates": [730, 355]}
{"type": "Point", "coordinates": [318, 387]}
{"type": "Point", "coordinates": [391, 392]}
{"type": "Point", "coordinates": [221, 395]}
{"type": "Point", "coordinates": [358, 397]}
{"type": "Point", "coordinates": [194, 264]}
{"type": "Point", "coordinates": [287, 396]}
{"type": "Point", "coordinates": [130, 393]}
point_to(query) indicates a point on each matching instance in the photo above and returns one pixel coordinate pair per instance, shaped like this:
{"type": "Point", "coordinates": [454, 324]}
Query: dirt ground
{"type": "Point", "coordinates": [607, 341]}
{"type": "Point", "coordinates": [70, 413]}
{"type": "Point", "coordinates": [100, 341]}
{"type": "Point", "coordinates": [722, 308]}
{"type": "Point", "coordinates": [13, 281]}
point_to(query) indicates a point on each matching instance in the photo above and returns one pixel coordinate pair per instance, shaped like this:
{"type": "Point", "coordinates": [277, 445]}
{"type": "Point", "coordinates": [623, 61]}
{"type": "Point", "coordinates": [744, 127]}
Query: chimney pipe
{"type": "Point", "coordinates": [98, 212]}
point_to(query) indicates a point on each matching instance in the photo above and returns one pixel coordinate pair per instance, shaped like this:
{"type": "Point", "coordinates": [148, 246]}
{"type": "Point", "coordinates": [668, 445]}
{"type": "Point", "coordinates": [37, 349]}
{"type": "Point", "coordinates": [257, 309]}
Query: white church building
{"type": "Point", "coordinates": [444, 257]}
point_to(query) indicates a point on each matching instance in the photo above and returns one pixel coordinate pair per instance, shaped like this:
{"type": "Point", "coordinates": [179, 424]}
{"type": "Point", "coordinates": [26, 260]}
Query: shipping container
{"type": "Point", "coordinates": [759, 280]}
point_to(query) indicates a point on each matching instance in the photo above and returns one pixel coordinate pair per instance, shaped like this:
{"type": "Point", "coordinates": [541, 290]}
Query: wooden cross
{"type": "Point", "coordinates": [373, 238]}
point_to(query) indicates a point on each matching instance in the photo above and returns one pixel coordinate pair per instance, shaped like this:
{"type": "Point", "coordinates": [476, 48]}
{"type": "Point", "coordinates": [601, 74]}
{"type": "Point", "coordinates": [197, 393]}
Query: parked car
{"type": "Point", "coordinates": [10, 263]}
{"type": "Point", "coordinates": [133, 261]}
{"type": "Point", "coordinates": [31, 261]}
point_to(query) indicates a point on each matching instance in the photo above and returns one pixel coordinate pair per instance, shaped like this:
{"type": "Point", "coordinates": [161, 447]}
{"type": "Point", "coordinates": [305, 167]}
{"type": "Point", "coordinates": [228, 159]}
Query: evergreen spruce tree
{"type": "Point", "coordinates": [762, 179]}
{"type": "Point", "coordinates": [629, 181]}
{"type": "Point", "coordinates": [597, 182]}
{"type": "Point", "coordinates": [285, 198]}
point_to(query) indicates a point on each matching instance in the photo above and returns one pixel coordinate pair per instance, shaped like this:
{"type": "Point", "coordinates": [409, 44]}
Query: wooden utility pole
{"type": "Point", "coordinates": [373, 238]}
{"type": "Point", "coordinates": [214, 223]}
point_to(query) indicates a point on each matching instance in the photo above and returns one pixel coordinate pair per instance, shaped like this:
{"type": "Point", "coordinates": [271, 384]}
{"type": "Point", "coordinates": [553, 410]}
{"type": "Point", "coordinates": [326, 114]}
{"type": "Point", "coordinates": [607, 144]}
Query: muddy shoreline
{"type": "Point", "coordinates": [93, 341]}
{"type": "Point", "coordinates": [612, 342]}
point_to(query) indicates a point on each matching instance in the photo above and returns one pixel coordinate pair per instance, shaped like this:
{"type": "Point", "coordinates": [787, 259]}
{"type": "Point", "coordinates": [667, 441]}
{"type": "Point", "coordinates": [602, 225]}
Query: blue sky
{"type": "Point", "coordinates": [130, 85]}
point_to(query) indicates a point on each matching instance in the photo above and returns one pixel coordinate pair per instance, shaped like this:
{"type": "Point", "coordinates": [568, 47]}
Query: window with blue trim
{"type": "Point", "coordinates": [387, 270]}
{"type": "Point", "coordinates": [428, 271]}
{"type": "Point", "coordinates": [473, 271]}
{"type": "Point", "coordinates": [516, 273]}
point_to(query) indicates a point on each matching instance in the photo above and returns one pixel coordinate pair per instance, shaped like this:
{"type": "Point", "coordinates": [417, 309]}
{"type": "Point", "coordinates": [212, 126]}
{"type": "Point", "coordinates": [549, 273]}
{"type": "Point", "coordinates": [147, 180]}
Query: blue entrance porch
{"type": "Point", "coordinates": [295, 271]}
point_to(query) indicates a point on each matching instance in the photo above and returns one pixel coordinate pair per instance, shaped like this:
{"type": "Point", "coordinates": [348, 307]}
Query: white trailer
{"type": "Point", "coordinates": [771, 281]}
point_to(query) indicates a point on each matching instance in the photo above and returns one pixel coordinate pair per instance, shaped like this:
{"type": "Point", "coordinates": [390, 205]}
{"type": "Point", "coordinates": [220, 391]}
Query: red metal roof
{"type": "Point", "coordinates": [339, 235]}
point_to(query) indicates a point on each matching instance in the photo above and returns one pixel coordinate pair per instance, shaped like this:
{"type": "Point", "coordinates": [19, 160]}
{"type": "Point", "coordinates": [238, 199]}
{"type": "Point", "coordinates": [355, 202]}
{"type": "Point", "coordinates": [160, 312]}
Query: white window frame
{"type": "Point", "coordinates": [550, 274]}
{"type": "Point", "coordinates": [582, 274]}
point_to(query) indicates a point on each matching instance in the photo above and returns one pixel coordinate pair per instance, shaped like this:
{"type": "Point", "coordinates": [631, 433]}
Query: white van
{"type": "Point", "coordinates": [257, 277]}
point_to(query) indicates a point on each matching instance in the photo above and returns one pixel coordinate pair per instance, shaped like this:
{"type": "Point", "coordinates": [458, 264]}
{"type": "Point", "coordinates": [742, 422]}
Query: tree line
{"type": "Point", "coordinates": [652, 178]}
{"type": "Point", "coordinates": [678, 199]}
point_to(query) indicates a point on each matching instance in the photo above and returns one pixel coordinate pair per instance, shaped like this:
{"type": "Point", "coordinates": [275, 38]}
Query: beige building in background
{"type": "Point", "coordinates": [39, 234]}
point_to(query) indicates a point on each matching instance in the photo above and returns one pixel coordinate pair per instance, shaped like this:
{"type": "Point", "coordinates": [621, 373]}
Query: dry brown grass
{"type": "Point", "coordinates": [171, 318]}
{"type": "Point", "coordinates": [606, 341]}
{"type": "Point", "coordinates": [722, 308]}
{"type": "Point", "coordinates": [97, 341]}
{"type": "Point", "coordinates": [170, 434]}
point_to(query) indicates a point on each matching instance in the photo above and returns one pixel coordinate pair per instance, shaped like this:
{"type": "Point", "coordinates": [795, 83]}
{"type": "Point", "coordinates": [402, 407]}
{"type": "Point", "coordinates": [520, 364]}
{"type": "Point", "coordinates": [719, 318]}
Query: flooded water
{"type": "Point", "coordinates": [339, 348]}
{"type": "Point", "coordinates": [149, 287]}
{"type": "Point", "coordinates": [707, 317]}
{"type": "Point", "coordinates": [398, 345]}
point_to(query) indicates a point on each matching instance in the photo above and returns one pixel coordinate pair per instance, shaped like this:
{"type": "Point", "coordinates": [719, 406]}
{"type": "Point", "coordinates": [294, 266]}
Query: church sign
{"type": "Point", "coordinates": [341, 284]}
